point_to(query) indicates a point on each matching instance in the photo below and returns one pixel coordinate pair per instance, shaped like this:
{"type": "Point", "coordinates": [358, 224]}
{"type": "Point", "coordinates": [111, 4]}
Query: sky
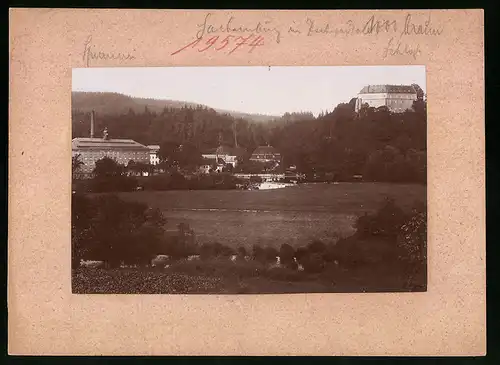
{"type": "Point", "coordinates": [249, 89]}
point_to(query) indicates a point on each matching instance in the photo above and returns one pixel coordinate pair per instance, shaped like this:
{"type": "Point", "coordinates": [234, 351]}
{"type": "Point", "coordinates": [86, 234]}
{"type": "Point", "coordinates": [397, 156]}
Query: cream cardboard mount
{"type": "Point", "coordinates": [45, 318]}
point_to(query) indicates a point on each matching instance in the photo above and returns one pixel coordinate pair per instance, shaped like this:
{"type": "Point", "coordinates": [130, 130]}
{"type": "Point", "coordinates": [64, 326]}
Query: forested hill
{"type": "Point", "coordinates": [109, 103]}
{"type": "Point", "coordinates": [378, 144]}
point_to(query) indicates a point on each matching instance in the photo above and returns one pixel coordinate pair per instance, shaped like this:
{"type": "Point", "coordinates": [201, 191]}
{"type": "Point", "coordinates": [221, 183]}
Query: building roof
{"type": "Point", "coordinates": [265, 150]}
{"type": "Point", "coordinates": [398, 89]}
{"type": "Point", "coordinates": [111, 144]}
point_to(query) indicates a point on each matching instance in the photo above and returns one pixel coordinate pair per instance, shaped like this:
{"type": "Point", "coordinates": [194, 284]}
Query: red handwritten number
{"type": "Point", "coordinates": [192, 44]}
{"type": "Point", "coordinates": [257, 42]}
{"type": "Point", "coordinates": [241, 43]}
{"type": "Point", "coordinates": [225, 42]}
{"type": "Point", "coordinates": [211, 41]}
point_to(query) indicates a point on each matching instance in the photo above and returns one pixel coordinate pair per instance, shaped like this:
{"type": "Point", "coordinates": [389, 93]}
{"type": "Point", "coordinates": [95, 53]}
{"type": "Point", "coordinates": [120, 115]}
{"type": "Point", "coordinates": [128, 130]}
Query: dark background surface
{"type": "Point", "coordinates": [492, 10]}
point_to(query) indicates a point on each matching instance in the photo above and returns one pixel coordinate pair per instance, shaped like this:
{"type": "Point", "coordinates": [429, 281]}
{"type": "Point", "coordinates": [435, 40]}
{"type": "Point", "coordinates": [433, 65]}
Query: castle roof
{"type": "Point", "coordinates": [395, 89]}
{"type": "Point", "coordinates": [110, 144]}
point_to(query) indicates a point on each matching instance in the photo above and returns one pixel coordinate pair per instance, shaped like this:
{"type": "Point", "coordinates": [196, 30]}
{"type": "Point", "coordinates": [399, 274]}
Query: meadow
{"type": "Point", "coordinates": [294, 215]}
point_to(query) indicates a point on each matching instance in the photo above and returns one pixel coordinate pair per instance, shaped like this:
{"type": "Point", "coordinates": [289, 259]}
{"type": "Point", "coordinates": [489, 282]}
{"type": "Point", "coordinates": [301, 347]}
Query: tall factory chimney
{"type": "Point", "coordinates": [92, 124]}
{"type": "Point", "coordinates": [234, 135]}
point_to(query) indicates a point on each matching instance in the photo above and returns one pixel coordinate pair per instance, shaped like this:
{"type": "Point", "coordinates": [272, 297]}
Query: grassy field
{"type": "Point", "coordinates": [294, 215]}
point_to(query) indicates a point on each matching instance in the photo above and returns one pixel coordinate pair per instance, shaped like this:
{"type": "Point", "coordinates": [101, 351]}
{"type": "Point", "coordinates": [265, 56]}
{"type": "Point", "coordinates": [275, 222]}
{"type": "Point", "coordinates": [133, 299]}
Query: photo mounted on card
{"type": "Point", "coordinates": [235, 180]}
{"type": "Point", "coordinates": [260, 182]}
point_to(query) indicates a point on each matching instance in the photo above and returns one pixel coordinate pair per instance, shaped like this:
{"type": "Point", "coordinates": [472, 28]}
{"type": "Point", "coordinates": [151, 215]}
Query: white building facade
{"type": "Point", "coordinates": [224, 155]}
{"type": "Point", "coordinates": [398, 98]}
{"type": "Point", "coordinates": [154, 159]}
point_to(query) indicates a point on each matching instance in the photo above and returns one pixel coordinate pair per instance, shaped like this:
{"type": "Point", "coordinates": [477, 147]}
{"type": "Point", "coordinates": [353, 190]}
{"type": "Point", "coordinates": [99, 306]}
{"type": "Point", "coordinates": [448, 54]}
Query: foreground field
{"type": "Point", "coordinates": [222, 277]}
{"type": "Point", "coordinates": [294, 215]}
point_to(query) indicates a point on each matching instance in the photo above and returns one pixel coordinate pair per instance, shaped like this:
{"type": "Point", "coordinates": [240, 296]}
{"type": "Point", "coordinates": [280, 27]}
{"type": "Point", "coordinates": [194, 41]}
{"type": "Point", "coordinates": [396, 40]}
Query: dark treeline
{"type": "Point", "coordinates": [375, 143]}
{"type": "Point", "coordinates": [199, 126]}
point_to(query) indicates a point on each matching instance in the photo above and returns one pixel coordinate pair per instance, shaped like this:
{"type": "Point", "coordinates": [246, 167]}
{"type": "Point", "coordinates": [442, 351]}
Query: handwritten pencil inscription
{"type": "Point", "coordinates": [217, 33]}
{"type": "Point", "coordinates": [91, 53]}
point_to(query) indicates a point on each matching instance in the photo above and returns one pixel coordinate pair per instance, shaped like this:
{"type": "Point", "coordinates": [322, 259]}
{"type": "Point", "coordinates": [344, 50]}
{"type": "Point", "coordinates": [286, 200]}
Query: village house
{"type": "Point", "coordinates": [221, 157]}
{"type": "Point", "coordinates": [265, 154]}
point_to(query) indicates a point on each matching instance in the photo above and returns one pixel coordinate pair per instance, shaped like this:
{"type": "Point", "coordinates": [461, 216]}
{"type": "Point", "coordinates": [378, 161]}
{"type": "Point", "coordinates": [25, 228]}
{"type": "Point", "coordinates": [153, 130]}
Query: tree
{"type": "Point", "coordinates": [76, 162]}
{"type": "Point", "coordinates": [82, 211]}
{"type": "Point", "coordinates": [270, 254]}
{"type": "Point", "coordinates": [109, 176]}
{"type": "Point", "coordinates": [316, 247]}
{"type": "Point", "coordinates": [139, 167]}
{"type": "Point", "coordinates": [167, 153]}
{"type": "Point", "coordinates": [228, 168]}
{"type": "Point", "coordinates": [188, 156]}
{"type": "Point", "coordinates": [107, 167]}
{"type": "Point", "coordinates": [183, 244]}
{"type": "Point", "coordinates": [258, 253]}
{"type": "Point", "coordinates": [287, 254]}
{"type": "Point", "coordinates": [112, 230]}
{"type": "Point", "coordinates": [242, 252]}
{"type": "Point", "coordinates": [420, 92]}
{"type": "Point", "coordinates": [386, 222]}
{"type": "Point", "coordinates": [412, 242]}
{"type": "Point", "coordinates": [313, 263]}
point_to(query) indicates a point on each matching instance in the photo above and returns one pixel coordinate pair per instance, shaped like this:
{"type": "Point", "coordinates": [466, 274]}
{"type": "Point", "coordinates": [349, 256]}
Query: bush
{"type": "Point", "coordinates": [313, 263]}
{"type": "Point", "coordinates": [214, 250]}
{"type": "Point", "coordinates": [112, 230]}
{"type": "Point", "coordinates": [258, 253]}
{"type": "Point", "coordinates": [386, 222]}
{"type": "Point", "coordinates": [316, 247]}
{"type": "Point", "coordinates": [301, 253]}
{"type": "Point", "coordinates": [287, 254]}
{"type": "Point", "coordinates": [270, 254]}
{"type": "Point", "coordinates": [112, 184]}
{"type": "Point", "coordinates": [157, 182]}
{"type": "Point", "coordinates": [241, 252]}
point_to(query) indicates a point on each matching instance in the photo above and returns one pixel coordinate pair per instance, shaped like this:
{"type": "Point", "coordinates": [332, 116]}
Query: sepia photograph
{"type": "Point", "coordinates": [249, 180]}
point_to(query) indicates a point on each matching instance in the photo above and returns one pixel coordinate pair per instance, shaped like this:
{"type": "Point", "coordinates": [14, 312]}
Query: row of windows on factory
{"type": "Point", "coordinates": [116, 153]}
{"type": "Point", "coordinates": [118, 156]}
